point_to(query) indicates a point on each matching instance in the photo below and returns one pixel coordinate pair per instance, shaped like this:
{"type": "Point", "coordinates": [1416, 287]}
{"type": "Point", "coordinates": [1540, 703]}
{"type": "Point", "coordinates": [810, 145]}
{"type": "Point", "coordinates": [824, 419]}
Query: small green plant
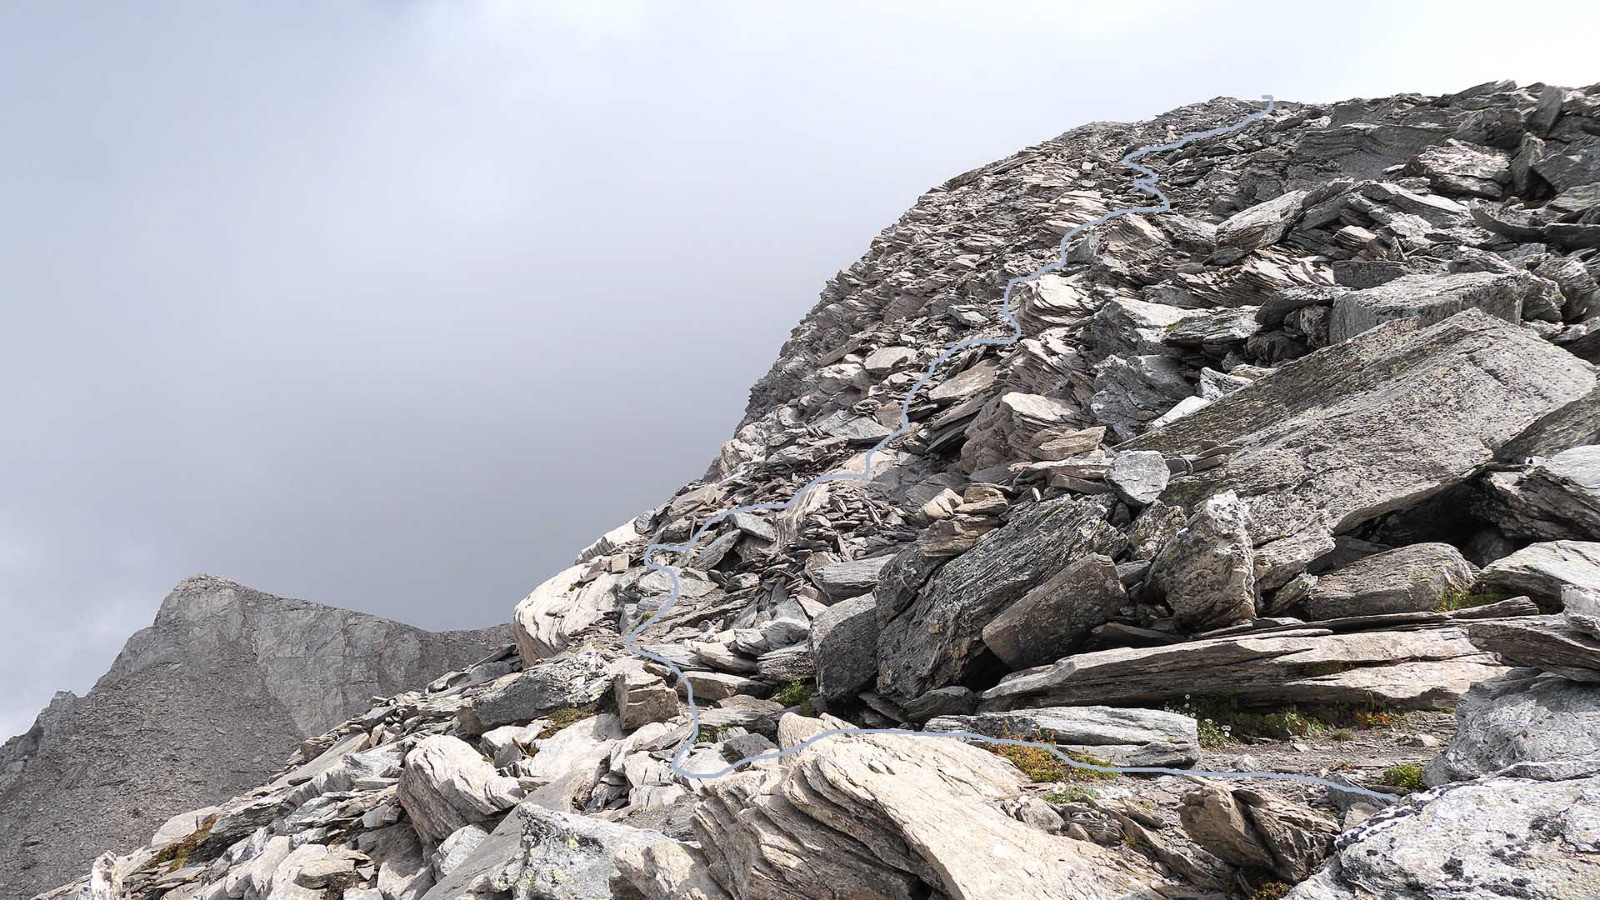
{"type": "Point", "coordinates": [1272, 890]}
{"type": "Point", "coordinates": [1466, 598]}
{"type": "Point", "coordinates": [1342, 734]}
{"type": "Point", "coordinates": [176, 855]}
{"type": "Point", "coordinates": [797, 694]}
{"type": "Point", "coordinates": [1042, 766]}
{"type": "Point", "coordinates": [566, 715]}
{"type": "Point", "coordinates": [1407, 777]}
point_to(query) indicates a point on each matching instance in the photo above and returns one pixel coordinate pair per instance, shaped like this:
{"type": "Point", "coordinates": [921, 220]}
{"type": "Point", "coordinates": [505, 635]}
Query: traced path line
{"type": "Point", "coordinates": [1145, 182]}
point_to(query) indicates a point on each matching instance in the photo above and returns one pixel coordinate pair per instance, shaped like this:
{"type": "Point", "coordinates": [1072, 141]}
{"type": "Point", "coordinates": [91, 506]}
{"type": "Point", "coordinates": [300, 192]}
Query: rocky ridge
{"type": "Point", "coordinates": [196, 708]}
{"type": "Point", "coordinates": [1297, 477]}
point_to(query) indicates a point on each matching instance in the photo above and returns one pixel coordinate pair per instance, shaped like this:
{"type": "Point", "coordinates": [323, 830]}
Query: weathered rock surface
{"type": "Point", "coordinates": [1423, 669]}
{"type": "Point", "coordinates": [1434, 298]}
{"type": "Point", "coordinates": [1124, 737]}
{"type": "Point", "coordinates": [1257, 831]}
{"type": "Point", "coordinates": [1374, 423]}
{"type": "Point", "coordinates": [204, 704]}
{"type": "Point", "coordinates": [899, 818]}
{"type": "Point", "coordinates": [1206, 573]}
{"type": "Point", "coordinates": [1052, 619]}
{"type": "Point", "coordinates": [1551, 643]}
{"type": "Point", "coordinates": [1407, 579]}
{"type": "Point", "coordinates": [1556, 498]}
{"type": "Point", "coordinates": [1524, 724]}
{"type": "Point", "coordinates": [844, 643]}
{"type": "Point", "coordinates": [937, 640]}
{"type": "Point", "coordinates": [447, 785]}
{"type": "Point", "coordinates": [1498, 837]}
{"type": "Point", "coordinates": [1541, 571]}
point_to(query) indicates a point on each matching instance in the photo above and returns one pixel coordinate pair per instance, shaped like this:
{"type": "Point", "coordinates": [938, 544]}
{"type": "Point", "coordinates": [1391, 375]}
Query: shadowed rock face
{"type": "Point", "coordinates": [204, 703]}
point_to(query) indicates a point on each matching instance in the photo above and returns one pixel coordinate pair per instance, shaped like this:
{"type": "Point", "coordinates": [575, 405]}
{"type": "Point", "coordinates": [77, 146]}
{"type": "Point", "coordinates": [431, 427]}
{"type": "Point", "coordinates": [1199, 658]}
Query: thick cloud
{"type": "Point", "coordinates": [396, 305]}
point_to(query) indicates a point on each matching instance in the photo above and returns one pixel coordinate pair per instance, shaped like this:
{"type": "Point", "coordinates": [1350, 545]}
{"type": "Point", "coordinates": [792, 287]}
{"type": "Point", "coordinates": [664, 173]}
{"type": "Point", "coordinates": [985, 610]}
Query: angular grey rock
{"type": "Point", "coordinates": [1541, 570]}
{"type": "Point", "coordinates": [1258, 831]}
{"type": "Point", "coordinates": [1052, 619]}
{"type": "Point", "coordinates": [1434, 298]}
{"type": "Point", "coordinates": [851, 578]}
{"type": "Point", "coordinates": [1206, 573]}
{"type": "Point", "coordinates": [447, 785]}
{"type": "Point", "coordinates": [642, 698]}
{"type": "Point", "coordinates": [1260, 225]}
{"type": "Point", "coordinates": [936, 640]}
{"type": "Point", "coordinates": [901, 818]}
{"type": "Point", "coordinates": [1416, 578]}
{"type": "Point", "coordinates": [1123, 737]}
{"type": "Point", "coordinates": [844, 643]}
{"type": "Point", "coordinates": [1427, 668]}
{"type": "Point", "coordinates": [576, 680]}
{"type": "Point", "coordinates": [1373, 424]}
{"type": "Point", "coordinates": [1524, 724]}
{"type": "Point", "coordinates": [1138, 477]}
{"type": "Point", "coordinates": [561, 610]}
{"type": "Point", "coordinates": [1498, 837]}
{"type": "Point", "coordinates": [1555, 498]}
{"type": "Point", "coordinates": [950, 701]}
{"type": "Point", "coordinates": [667, 870]}
{"type": "Point", "coordinates": [571, 857]}
{"type": "Point", "coordinates": [1550, 643]}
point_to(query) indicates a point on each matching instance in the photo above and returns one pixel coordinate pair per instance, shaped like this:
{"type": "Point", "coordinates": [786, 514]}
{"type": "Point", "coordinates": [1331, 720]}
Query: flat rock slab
{"type": "Point", "coordinates": [851, 578]}
{"type": "Point", "coordinates": [1124, 737]}
{"type": "Point", "coordinates": [1053, 618]}
{"type": "Point", "coordinates": [1550, 643]}
{"type": "Point", "coordinates": [1499, 837]}
{"type": "Point", "coordinates": [1434, 298]}
{"type": "Point", "coordinates": [901, 818]}
{"type": "Point", "coordinates": [1524, 724]}
{"type": "Point", "coordinates": [1373, 424]}
{"type": "Point", "coordinates": [1542, 571]}
{"type": "Point", "coordinates": [1556, 498]}
{"type": "Point", "coordinates": [1422, 669]}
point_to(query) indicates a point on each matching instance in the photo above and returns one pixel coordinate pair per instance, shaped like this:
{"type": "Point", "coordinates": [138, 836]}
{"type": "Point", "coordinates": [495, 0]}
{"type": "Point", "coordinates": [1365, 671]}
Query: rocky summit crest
{"type": "Point", "coordinates": [1300, 478]}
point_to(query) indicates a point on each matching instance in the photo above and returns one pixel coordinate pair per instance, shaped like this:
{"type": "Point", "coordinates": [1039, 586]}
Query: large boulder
{"type": "Point", "coordinates": [936, 640]}
{"type": "Point", "coordinates": [1481, 840]}
{"type": "Point", "coordinates": [1542, 571]}
{"type": "Point", "coordinates": [447, 785]}
{"type": "Point", "coordinates": [576, 680]}
{"type": "Point", "coordinates": [1206, 573]}
{"type": "Point", "coordinates": [900, 818]}
{"type": "Point", "coordinates": [1053, 618]}
{"type": "Point", "coordinates": [844, 644]}
{"type": "Point", "coordinates": [1551, 643]}
{"type": "Point", "coordinates": [1374, 424]}
{"type": "Point", "coordinates": [1258, 831]}
{"type": "Point", "coordinates": [1524, 724]}
{"type": "Point", "coordinates": [1415, 578]}
{"type": "Point", "coordinates": [1433, 298]}
{"type": "Point", "coordinates": [1426, 668]}
{"type": "Point", "coordinates": [550, 618]}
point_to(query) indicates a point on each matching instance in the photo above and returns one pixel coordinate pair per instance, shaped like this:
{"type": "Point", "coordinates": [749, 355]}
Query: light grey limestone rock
{"type": "Point", "coordinates": [570, 857]}
{"type": "Point", "coordinates": [1260, 225]}
{"type": "Point", "coordinates": [447, 785]}
{"type": "Point", "coordinates": [642, 697]}
{"type": "Point", "coordinates": [1481, 840]}
{"type": "Point", "coordinates": [1005, 429]}
{"type": "Point", "coordinates": [1206, 573]}
{"type": "Point", "coordinates": [1542, 570]}
{"type": "Point", "coordinates": [1415, 578]}
{"type": "Point", "coordinates": [902, 818]}
{"type": "Point", "coordinates": [936, 640]}
{"type": "Point", "coordinates": [1428, 668]}
{"type": "Point", "coordinates": [575, 680]}
{"type": "Point", "coordinates": [1254, 830]}
{"type": "Point", "coordinates": [1373, 424]}
{"type": "Point", "coordinates": [1055, 617]}
{"type": "Point", "coordinates": [1434, 298]}
{"type": "Point", "coordinates": [1138, 477]}
{"type": "Point", "coordinates": [1550, 643]}
{"type": "Point", "coordinates": [844, 643]}
{"type": "Point", "coordinates": [1524, 724]}
{"type": "Point", "coordinates": [667, 870]}
{"type": "Point", "coordinates": [1124, 737]}
{"type": "Point", "coordinates": [561, 609]}
{"type": "Point", "coordinates": [851, 578]}
{"type": "Point", "coordinates": [1556, 498]}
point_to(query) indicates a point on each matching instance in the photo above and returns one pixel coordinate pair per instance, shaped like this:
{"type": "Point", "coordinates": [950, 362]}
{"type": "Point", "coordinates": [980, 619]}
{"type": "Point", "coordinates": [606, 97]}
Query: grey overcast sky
{"type": "Point", "coordinates": [396, 305]}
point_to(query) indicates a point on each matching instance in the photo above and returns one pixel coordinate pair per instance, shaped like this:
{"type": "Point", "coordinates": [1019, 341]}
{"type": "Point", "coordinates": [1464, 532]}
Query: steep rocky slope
{"type": "Point", "coordinates": [1300, 477]}
{"type": "Point", "coordinates": [198, 707]}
